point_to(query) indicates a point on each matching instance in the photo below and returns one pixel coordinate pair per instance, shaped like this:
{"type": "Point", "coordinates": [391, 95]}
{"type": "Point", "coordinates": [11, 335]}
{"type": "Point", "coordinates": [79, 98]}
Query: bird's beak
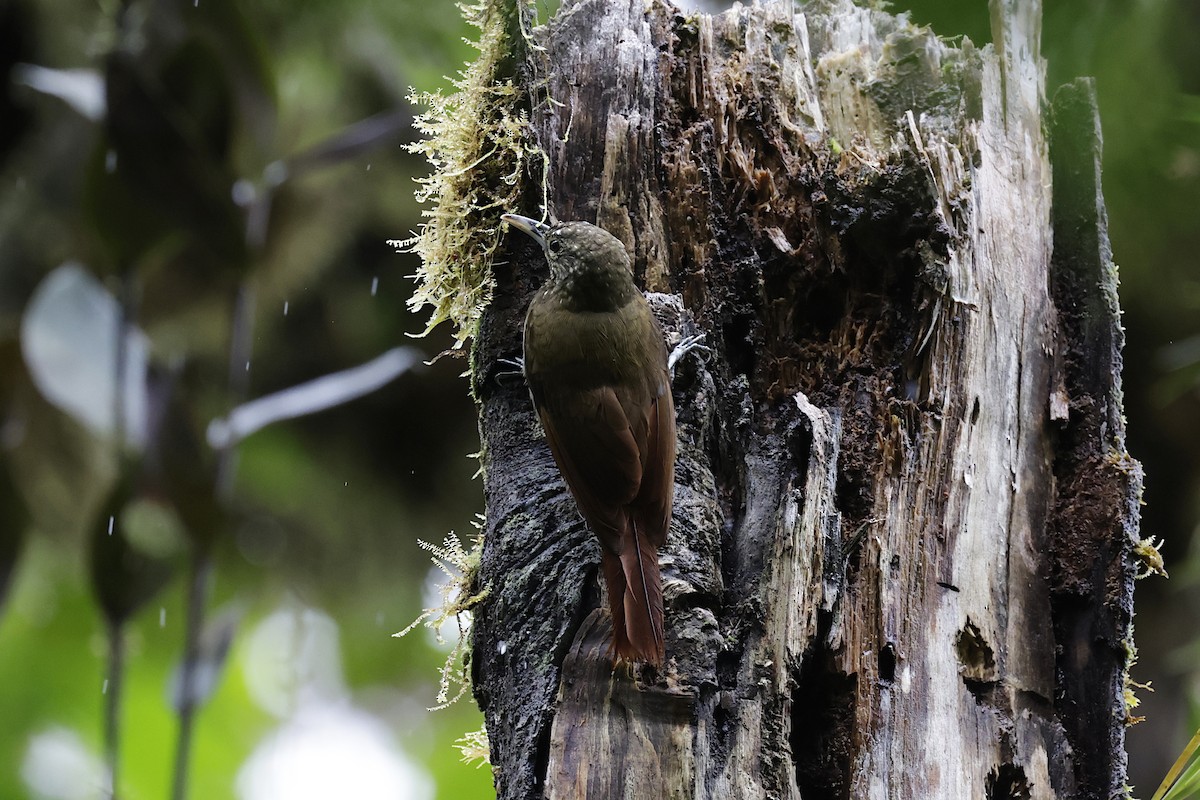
{"type": "Point", "coordinates": [531, 227]}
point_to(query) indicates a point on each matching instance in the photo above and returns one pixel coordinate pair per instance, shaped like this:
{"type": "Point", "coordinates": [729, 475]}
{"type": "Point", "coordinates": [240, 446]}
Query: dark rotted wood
{"type": "Point", "coordinates": [1095, 513]}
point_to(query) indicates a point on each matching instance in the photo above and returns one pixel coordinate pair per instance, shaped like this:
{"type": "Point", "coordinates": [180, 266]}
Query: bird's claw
{"type": "Point", "coordinates": [686, 345]}
{"type": "Point", "coordinates": [517, 371]}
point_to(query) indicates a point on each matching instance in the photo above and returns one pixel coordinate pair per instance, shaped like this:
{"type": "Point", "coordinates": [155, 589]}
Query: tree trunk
{"type": "Point", "coordinates": [900, 561]}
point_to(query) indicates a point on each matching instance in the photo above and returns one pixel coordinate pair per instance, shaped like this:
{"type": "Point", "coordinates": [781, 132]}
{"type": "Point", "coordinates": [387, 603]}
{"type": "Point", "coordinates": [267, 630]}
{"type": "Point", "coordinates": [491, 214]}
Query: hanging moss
{"type": "Point", "coordinates": [477, 141]}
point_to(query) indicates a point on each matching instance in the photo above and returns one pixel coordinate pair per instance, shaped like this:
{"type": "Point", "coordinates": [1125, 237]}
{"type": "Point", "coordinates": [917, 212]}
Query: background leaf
{"type": "Point", "coordinates": [69, 340]}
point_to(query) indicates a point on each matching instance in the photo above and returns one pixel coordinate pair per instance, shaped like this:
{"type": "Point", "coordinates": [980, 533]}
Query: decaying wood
{"type": "Point", "coordinates": [900, 557]}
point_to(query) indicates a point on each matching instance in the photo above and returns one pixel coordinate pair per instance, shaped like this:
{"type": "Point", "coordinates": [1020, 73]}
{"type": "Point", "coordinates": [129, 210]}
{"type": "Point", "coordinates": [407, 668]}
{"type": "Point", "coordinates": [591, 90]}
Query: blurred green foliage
{"type": "Point", "coordinates": [324, 512]}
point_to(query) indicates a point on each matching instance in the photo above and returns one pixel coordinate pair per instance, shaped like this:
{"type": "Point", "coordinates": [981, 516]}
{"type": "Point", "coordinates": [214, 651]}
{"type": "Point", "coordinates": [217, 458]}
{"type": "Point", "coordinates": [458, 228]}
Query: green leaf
{"type": "Point", "coordinates": [69, 341]}
{"type": "Point", "coordinates": [1173, 787]}
{"type": "Point", "coordinates": [125, 571]}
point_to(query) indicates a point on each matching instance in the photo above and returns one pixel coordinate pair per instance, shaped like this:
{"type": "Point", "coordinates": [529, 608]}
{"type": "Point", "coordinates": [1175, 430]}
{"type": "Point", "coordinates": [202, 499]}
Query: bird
{"type": "Point", "coordinates": [595, 361]}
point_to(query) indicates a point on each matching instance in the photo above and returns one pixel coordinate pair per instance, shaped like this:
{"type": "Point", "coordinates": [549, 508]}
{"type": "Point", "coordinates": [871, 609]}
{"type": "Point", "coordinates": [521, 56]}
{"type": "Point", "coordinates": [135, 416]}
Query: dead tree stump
{"type": "Point", "coordinates": [900, 562]}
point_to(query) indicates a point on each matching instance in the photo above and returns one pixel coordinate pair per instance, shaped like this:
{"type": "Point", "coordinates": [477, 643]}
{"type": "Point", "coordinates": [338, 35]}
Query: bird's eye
{"type": "Point", "coordinates": [555, 246]}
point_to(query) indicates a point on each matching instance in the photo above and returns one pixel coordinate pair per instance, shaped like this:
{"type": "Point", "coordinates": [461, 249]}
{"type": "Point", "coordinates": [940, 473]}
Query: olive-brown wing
{"type": "Point", "coordinates": [652, 506]}
{"type": "Point", "coordinates": [596, 451]}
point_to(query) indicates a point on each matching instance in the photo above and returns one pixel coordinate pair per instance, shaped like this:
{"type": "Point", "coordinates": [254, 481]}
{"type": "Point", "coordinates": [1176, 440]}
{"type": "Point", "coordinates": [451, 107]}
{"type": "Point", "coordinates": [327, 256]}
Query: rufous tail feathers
{"type": "Point", "coordinates": [635, 600]}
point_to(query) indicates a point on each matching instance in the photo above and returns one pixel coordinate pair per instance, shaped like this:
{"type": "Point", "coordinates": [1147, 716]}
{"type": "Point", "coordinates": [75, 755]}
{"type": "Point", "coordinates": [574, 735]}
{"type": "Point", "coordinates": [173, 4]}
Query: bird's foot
{"type": "Point", "coordinates": [685, 346]}
{"type": "Point", "coordinates": [516, 372]}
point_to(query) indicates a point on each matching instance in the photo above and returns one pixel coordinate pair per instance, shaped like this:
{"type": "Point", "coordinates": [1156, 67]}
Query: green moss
{"type": "Point", "coordinates": [475, 748]}
{"type": "Point", "coordinates": [460, 596]}
{"type": "Point", "coordinates": [477, 141]}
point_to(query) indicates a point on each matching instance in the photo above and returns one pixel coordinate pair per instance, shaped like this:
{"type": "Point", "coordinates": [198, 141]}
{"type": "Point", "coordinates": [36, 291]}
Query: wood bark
{"type": "Point", "coordinates": [900, 557]}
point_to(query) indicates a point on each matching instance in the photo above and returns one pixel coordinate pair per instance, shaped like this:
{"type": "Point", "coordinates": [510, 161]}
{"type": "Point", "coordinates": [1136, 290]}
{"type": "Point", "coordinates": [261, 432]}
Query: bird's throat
{"type": "Point", "coordinates": [595, 290]}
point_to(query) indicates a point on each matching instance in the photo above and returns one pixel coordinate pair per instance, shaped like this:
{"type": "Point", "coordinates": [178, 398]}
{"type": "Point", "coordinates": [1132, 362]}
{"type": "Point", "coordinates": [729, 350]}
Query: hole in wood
{"type": "Point", "coordinates": [976, 661]}
{"type": "Point", "coordinates": [822, 718]}
{"type": "Point", "coordinates": [887, 663]}
{"type": "Point", "coordinates": [1007, 782]}
{"type": "Point", "coordinates": [738, 334]}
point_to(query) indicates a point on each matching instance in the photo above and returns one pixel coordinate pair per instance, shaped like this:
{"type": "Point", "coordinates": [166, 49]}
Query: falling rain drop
{"type": "Point", "coordinates": [104, 688]}
{"type": "Point", "coordinates": [374, 285]}
{"type": "Point", "coordinates": [285, 305]}
{"type": "Point", "coordinates": [247, 365]}
{"type": "Point", "coordinates": [111, 520]}
{"type": "Point", "coordinates": [501, 647]}
{"type": "Point", "coordinates": [162, 617]}
{"type": "Point", "coordinates": [368, 167]}
{"type": "Point", "coordinates": [110, 161]}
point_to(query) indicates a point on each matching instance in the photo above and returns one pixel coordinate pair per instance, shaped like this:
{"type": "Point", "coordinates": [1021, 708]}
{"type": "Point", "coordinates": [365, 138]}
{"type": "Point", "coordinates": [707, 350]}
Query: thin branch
{"type": "Point", "coordinates": [197, 596]}
{"type": "Point", "coordinates": [241, 333]}
{"type": "Point", "coordinates": [112, 707]}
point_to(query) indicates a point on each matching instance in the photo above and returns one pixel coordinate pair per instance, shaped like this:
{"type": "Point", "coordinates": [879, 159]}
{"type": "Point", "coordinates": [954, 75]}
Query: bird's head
{"type": "Point", "coordinates": [577, 252]}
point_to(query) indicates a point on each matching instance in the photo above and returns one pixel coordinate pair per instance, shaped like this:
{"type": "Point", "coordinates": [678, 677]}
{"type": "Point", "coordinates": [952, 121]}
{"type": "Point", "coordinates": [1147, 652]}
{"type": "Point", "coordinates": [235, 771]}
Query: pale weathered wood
{"type": "Point", "coordinates": [899, 563]}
